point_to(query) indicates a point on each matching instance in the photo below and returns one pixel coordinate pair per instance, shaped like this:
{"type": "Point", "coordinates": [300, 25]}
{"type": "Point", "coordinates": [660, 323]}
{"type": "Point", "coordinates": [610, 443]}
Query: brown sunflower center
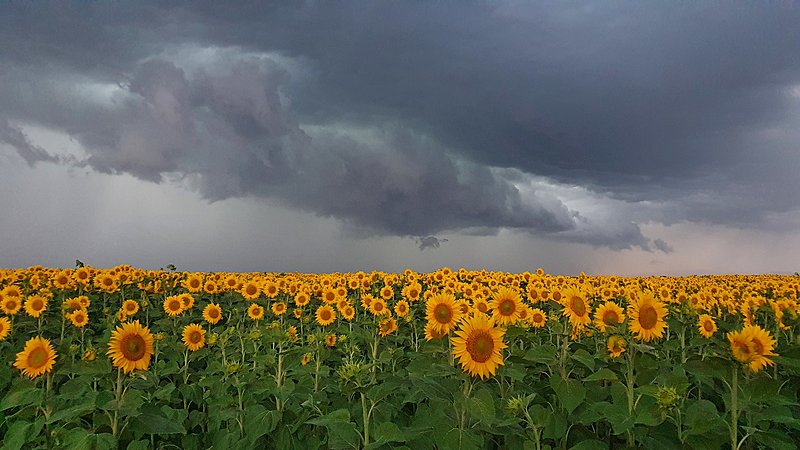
{"type": "Point", "coordinates": [480, 346]}
{"type": "Point", "coordinates": [482, 307]}
{"type": "Point", "coordinates": [11, 304]}
{"type": "Point", "coordinates": [577, 305]}
{"type": "Point", "coordinates": [648, 317]}
{"type": "Point", "coordinates": [378, 306]}
{"type": "Point", "coordinates": [133, 347]}
{"type": "Point", "coordinates": [37, 304]}
{"type": "Point", "coordinates": [557, 296]}
{"type": "Point", "coordinates": [537, 318]}
{"type": "Point", "coordinates": [37, 358]}
{"type": "Point", "coordinates": [442, 313]}
{"type": "Point", "coordinates": [175, 305]}
{"type": "Point", "coordinates": [195, 337]}
{"type": "Point", "coordinates": [610, 316]}
{"type": "Point", "coordinates": [213, 313]}
{"type": "Point", "coordinates": [325, 315]}
{"type": "Point", "coordinates": [194, 283]}
{"type": "Point", "coordinates": [758, 347]}
{"type": "Point", "coordinates": [708, 326]}
{"type": "Point", "coordinates": [506, 307]}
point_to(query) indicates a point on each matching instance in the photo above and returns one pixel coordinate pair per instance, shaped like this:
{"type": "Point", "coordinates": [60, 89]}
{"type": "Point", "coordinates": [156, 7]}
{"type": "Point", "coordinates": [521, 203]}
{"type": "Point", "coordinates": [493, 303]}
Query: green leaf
{"type": "Point", "coordinates": [80, 439]}
{"type": "Point", "coordinates": [21, 396]}
{"type": "Point", "coordinates": [75, 411]}
{"type": "Point", "coordinates": [571, 393]}
{"type": "Point", "coordinates": [481, 406]}
{"type": "Point", "coordinates": [583, 357]}
{"type": "Point", "coordinates": [260, 421]}
{"type": "Point", "coordinates": [604, 374]}
{"type": "Point", "coordinates": [774, 439]}
{"type": "Point", "coordinates": [457, 440]}
{"type": "Point", "coordinates": [541, 354]}
{"type": "Point", "coordinates": [342, 433]}
{"type": "Point", "coordinates": [701, 417]}
{"type": "Point", "coordinates": [153, 420]}
{"type": "Point", "coordinates": [384, 433]}
{"type": "Point", "coordinates": [590, 444]}
{"type": "Point", "coordinates": [16, 436]}
{"type": "Point", "coordinates": [141, 444]}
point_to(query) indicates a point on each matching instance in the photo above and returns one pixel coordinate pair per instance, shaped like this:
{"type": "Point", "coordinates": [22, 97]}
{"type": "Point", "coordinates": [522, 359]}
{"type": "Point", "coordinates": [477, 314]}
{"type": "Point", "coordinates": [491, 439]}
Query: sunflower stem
{"type": "Point", "coordinates": [365, 415]}
{"type": "Point", "coordinates": [629, 379]}
{"type": "Point", "coordinates": [118, 397]}
{"type": "Point", "coordinates": [734, 408]}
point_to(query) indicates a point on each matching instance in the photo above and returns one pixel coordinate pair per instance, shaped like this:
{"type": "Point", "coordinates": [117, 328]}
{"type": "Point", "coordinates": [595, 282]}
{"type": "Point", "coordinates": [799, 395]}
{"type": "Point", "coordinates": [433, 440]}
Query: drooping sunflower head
{"type": "Point", "coordinates": [505, 305]}
{"type": "Point", "coordinates": [478, 345]}
{"type": "Point", "coordinates": [37, 357]}
{"type": "Point", "coordinates": [255, 311]}
{"type": "Point", "coordinates": [194, 337]}
{"type": "Point", "coordinates": [442, 312]}
{"type": "Point", "coordinates": [616, 345]}
{"type": "Point", "coordinates": [646, 316]}
{"type": "Point", "coordinates": [707, 325]}
{"type": "Point", "coordinates": [131, 347]}
{"type": "Point", "coordinates": [325, 315]}
{"type": "Point", "coordinates": [212, 313]}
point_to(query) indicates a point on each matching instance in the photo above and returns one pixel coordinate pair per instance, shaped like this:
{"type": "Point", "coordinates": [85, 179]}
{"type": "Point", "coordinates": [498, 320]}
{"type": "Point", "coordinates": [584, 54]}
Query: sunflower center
{"type": "Point", "coordinates": [133, 347]}
{"type": "Point", "coordinates": [251, 290]}
{"type": "Point", "coordinates": [577, 305]}
{"type": "Point", "coordinates": [325, 314]}
{"type": "Point", "coordinates": [506, 307]}
{"type": "Point", "coordinates": [175, 305]}
{"type": "Point", "coordinates": [37, 304]}
{"type": "Point", "coordinates": [483, 307]}
{"type": "Point", "coordinates": [740, 350]}
{"type": "Point", "coordinates": [442, 313]}
{"type": "Point", "coordinates": [37, 358]}
{"type": "Point", "coordinates": [11, 304]}
{"type": "Point", "coordinates": [648, 317]}
{"type": "Point", "coordinates": [378, 306]}
{"type": "Point", "coordinates": [557, 296]}
{"type": "Point", "coordinates": [195, 283]}
{"type": "Point", "coordinates": [480, 346]}
{"type": "Point", "coordinates": [213, 313]}
{"type": "Point", "coordinates": [758, 347]}
{"type": "Point", "coordinates": [610, 317]}
{"type": "Point", "coordinates": [195, 337]}
{"type": "Point", "coordinates": [708, 326]}
{"type": "Point", "coordinates": [537, 317]}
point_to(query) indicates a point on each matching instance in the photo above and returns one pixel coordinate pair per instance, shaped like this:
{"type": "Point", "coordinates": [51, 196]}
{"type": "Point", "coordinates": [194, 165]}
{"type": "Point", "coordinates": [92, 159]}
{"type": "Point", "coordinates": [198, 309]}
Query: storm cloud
{"type": "Point", "coordinates": [573, 121]}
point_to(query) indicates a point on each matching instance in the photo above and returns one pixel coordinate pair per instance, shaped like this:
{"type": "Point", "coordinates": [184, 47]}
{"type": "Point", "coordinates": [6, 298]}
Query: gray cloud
{"type": "Point", "coordinates": [426, 242]}
{"type": "Point", "coordinates": [659, 107]}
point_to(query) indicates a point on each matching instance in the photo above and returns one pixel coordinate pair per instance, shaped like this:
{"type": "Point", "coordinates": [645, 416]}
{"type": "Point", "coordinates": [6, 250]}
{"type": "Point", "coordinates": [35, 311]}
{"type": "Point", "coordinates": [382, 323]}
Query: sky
{"type": "Point", "coordinates": [624, 137]}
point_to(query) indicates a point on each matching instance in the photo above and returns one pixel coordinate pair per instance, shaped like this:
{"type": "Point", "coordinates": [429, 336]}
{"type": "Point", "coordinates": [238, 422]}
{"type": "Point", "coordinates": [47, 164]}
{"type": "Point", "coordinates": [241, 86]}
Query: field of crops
{"type": "Point", "coordinates": [134, 359]}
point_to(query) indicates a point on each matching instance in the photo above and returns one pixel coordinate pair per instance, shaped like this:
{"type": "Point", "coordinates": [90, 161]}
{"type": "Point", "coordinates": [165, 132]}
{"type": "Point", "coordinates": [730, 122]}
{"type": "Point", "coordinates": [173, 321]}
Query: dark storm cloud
{"type": "Point", "coordinates": [658, 106]}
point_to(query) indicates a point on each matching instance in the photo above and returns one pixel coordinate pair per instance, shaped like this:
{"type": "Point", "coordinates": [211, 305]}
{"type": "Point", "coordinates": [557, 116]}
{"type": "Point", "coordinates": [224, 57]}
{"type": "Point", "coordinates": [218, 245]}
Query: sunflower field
{"type": "Point", "coordinates": [134, 359]}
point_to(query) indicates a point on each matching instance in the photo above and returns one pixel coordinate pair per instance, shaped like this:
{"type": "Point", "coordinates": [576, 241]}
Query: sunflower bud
{"type": "Point", "coordinates": [89, 355]}
{"type": "Point", "coordinates": [667, 397]}
{"type": "Point", "coordinates": [231, 369]}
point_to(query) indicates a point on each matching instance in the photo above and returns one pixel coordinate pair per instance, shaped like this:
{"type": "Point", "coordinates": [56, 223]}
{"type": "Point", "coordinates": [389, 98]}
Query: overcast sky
{"type": "Point", "coordinates": [606, 137]}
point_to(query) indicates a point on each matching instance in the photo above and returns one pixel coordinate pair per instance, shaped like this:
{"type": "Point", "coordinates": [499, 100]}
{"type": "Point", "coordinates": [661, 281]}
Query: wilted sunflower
{"type": "Point", "coordinates": [325, 315]}
{"type": "Point", "coordinates": [608, 314]}
{"type": "Point", "coordinates": [576, 307]}
{"type": "Point", "coordinates": [646, 316]}
{"type": "Point", "coordinates": [505, 305]}
{"type": "Point", "coordinates": [387, 326]}
{"type": "Point", "coordinates": [278, 308]}
{"type": "Point", "coordinates": [212, 313]}
{"type": "Point", "coordinates": [706, 325]}
{"type": "Point", "coordinates": [173, 305]}
{"type": "Point", "coordinates": [442, 313]}
{"type": "Point", "coordinates": [5, 327]}
{"type": "Point", "coordinates": [616, 345]}
{"type": "Point", "coordinates": [79, 318]}
{"type": "Point", "coordinates": [478, 344]}
{"type": "Point", "coordinates": [35, 305]}
{"type": "Point", "coordinates": [255, 312]}
{"type": "Point", "coordinates": [36, 358]}
{"type": "Point", "coordinates": [130, 307]}
{"type": "Point", "coordinates": [194, 337]}
{"type": "Point", "coordinates": [537, 318]}
{"type": "Point", "coordinates": [131, 347]}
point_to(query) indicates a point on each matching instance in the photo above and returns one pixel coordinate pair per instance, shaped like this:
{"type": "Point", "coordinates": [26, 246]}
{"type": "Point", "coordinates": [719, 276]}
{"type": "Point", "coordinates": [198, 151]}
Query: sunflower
{"type": "Point", "coordinates": [301, 299]}
{"type": "Point", "coordinates": [131, 347]}
{"type": "Point", "coordinates": [5, 327]}
{"type": "Point", "coordinates": [211, 287]}
{"type": "Point", "coordinates": [387, 326]}
{"type": "Point", "coordinates": [10, 305]}
{"type": "Point", "coordinates": [271, 290]}
{"type": "Point", "coordinates": [325, 315]}
{"type": "Point", "coordinates": [306, 359]}
{"type": "Point", "coordinates": [505, 306]}
{"type": "Point", "coordinates": [480, 305]}
{"type": "Point", "coordinates": [751, 346]}
{"type": "Point", "coordinates": [616, 345]}
{"type": "Point", "coordinates": [432, 333]}
{"type": "Point", "coordinates": [378, 307]}
{"type": "Point", "coordinates": [194, 337]}
{"type": "Point", "coordinates": [82, 275]}
{"type": "Point", "coordinates": [36, 358]}
{"type": "Point", "coordinates": [194, 283]}
{"type": "Point", "coordinates": [278, 308]}
{"type": "Point", "coordinates": [607, 315]}
{"type": "Point", "coordinates": [330, 340]}
{"type": "Point", "coordinates": [387, 292]}
{"type": "Point", "coordinates": [348, 312]}
{"type": "Point", "coordinates": [130, 307]}
{"type": "Point", "coordinates": [212, 313]}
{"type": "Point", "coordinates": [255, 312]}
{"type": "Point", "coordinates": [442, 313]}
{"type": "Point", "coordinates": [478, 344]}
{"type": "Point", "coordinates": [79, 318]}
{"type": "Point", "coordinates": [298, 313]}
{"type": "Point", "coordinates": [12, 290]}
{"type": "Point", "coordinates": [537, 318]}
{"type": "Point", "coordinates": [187, 300]}
{"type": "Point", "coordinates": [576, 307]}
{"type": "Point", "coordinates": [84, 301]}
{"type": "Point", "coordinates": [62, 280]}
{"type": "Point", "coordinates": [329, 296]}
{"type": "Point", "coordinates": [706, 325]}
{"type": "Point", "coordinates": [412, 291]}
{"type": "Point", "coordinates": [647, 317]}
{"type": "Point", "coordinates": [173, 305]}
{"type": "Point", "coordinates": [250, 291]}
{"type": "Point", "coordinates": [35, 305]}
{"type": "Point", "coordinates": [401, 308]}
